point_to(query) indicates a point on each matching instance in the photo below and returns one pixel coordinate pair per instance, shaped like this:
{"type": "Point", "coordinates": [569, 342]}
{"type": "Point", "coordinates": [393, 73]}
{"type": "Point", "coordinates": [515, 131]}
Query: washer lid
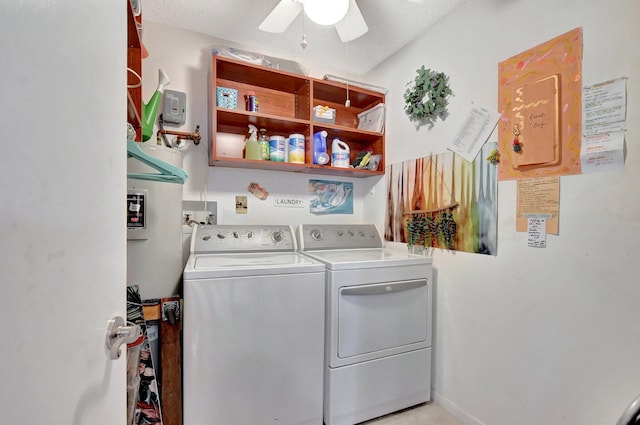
{"type": "Point", "coordinates": [201, 266]}
{"type": "Point", "coordinates": [344, 259]}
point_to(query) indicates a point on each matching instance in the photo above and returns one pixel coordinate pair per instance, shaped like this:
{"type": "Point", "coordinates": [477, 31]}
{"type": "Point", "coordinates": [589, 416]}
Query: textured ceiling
{"type": "Point", "coordinates": [392, 24]}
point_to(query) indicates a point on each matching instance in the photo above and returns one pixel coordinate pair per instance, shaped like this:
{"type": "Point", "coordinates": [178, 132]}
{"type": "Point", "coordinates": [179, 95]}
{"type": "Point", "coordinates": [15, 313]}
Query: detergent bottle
{"type": "Point", "coordinates": [339, 154]}
{"type": "Point", "coordinates": [320, 155]}
{"type": "Point", "coordinates": [252, 149]}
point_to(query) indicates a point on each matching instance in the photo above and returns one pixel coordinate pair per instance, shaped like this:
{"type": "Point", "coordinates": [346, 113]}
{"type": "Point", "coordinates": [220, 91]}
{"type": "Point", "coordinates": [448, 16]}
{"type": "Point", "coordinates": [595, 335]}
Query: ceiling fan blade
{"type": "Point", "coordinates": [281, 16]}
{"type": "Point", "coordinates": [352, 25]}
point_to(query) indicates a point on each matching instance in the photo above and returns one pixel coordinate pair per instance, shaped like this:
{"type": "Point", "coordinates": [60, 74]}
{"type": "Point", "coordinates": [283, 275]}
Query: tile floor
{"type": "Point", "coordinates": [423, 414]}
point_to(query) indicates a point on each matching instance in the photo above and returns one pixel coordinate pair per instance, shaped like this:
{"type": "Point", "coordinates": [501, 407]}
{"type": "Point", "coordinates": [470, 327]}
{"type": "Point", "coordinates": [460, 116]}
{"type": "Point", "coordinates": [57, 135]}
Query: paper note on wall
{"type": "Point", "coordinates": [536, 233]}
{"type": "Point", "coordinates": [538, 198]}
{"type": "Point", "coordinates": [602, 152]}
{"type": "Point", "coordinates": [476, 129]}
{"type": "Point", "coordinates": [604, 107]}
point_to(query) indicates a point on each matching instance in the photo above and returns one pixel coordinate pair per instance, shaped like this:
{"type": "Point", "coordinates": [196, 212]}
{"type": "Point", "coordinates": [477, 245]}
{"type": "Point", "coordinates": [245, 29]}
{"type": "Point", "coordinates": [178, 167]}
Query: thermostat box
{"type": "Point", "coordinates": [324, 114]}
{"type": "Point", "coordinates": [174, 107]}
{"type": "Point", "coordinates": [372, 119]}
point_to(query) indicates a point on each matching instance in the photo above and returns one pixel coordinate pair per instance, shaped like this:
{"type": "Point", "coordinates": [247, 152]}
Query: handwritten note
{"type": "Point", "coordinates": [536, 233]}
{"type": "Point", "coordinates": [474, 132]}
{"type": "Point", "coordinates": [602, 152]}
{"type": "Point", "coordinates": [538, 198]}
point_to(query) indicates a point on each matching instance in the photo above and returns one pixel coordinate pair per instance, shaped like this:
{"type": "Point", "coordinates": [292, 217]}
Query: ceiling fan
{"type": "Point", "coordinates": [345, 14]}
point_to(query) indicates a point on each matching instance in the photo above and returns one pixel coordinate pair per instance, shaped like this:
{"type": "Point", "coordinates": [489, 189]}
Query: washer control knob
{"type": "Point", "coordinates": [221, 235]}
{"type": "Point", "coordinates": [361, 234]}
{"type": "Point", "coordinates": [236, 235]}
{"type": "Point", "coordinates": [277, 236]}
{"type": "Point", "coordinates": [206, 237]}
{"type": "Point", "coordinates": [249, 235]}
{"type": "Point", "coordinates": [350, 233]}
{"type": "Point", "coordinates": [340, 233]}
{"type": "Point", "coordinates": [316, 235]}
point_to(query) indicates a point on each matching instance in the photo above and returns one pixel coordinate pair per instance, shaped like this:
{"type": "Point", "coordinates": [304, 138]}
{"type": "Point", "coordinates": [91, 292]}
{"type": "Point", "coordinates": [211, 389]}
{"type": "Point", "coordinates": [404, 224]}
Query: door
{"type": "Point", "coordinates": [63, 186]}
{"type": "Point", "coordinates": [382, 317]}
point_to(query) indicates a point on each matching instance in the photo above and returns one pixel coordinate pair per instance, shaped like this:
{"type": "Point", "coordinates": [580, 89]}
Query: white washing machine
{"type": "Point", "coordinates": [253, 328]}
{"type": "Point", "coordinates": [378, 322]}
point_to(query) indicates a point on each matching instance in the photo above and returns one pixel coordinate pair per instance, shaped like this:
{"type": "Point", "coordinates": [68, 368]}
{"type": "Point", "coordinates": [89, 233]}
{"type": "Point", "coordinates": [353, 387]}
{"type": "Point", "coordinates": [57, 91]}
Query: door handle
{"type": "Point", "coordinates": [383, 288]}
{"type": "Point", "coordinates": [631, 415]}
{"type": "Point", "coordinates": [118, 334]}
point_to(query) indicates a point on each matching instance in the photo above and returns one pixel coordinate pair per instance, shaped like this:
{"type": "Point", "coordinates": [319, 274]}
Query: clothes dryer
{"type": "Point", "coordinates": [378, 322]}
{"type": "Point", "coordinates": [253, 328]}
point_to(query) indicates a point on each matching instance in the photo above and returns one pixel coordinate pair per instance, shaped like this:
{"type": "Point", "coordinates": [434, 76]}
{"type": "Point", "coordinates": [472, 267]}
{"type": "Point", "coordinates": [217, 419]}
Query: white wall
{"type": "Point", "coordinates": [186, 58]}
{"type": "Point", "coordinates": [533, 336]}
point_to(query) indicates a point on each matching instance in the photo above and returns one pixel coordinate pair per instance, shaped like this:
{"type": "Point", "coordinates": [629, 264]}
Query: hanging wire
{"type": "Point", "coordinates": [347, 103]}
{"type": "Point", "coordinates": [303, 43]}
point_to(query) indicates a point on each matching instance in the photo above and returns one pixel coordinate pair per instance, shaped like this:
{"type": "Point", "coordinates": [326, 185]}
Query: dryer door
{"type": "Point", "coordinates": [382, 319]}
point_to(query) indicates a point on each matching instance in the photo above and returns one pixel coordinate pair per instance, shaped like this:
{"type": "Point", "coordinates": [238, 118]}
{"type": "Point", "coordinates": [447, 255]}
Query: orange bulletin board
{"type": "Point", "coordinates": [540, 99]}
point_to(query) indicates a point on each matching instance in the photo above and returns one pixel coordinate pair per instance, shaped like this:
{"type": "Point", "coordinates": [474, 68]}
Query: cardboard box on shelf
{"type": "Point", "coordinates": [324, 114]}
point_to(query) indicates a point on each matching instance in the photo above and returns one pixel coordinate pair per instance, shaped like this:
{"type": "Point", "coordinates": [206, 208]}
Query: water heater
{"type": "Point", "coordinates": [154, 257]}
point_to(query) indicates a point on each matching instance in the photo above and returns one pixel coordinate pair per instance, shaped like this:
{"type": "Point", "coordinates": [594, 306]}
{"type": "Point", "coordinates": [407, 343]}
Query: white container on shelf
{"type": "Point", "coordinates": [296, 148]}
{"type": "Point", "coordinates": [339, 154]}
{"type": "Point", "coordinates": [277, 148]}
{"type": "Point", "coordinates": [372, 119]}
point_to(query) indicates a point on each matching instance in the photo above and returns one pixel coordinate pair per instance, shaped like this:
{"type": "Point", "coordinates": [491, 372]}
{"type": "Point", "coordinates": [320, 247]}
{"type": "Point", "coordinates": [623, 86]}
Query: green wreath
{"type": "Point", "coordinates": [426, 99]}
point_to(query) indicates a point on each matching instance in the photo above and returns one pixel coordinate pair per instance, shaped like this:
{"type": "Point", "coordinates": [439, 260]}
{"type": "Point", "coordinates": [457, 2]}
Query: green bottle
{"type": "Point", "coordinates": [263, 141]}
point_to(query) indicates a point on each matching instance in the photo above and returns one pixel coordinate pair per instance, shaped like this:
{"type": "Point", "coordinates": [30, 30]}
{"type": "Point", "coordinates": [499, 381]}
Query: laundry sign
{"type": "Point", "coordinates": [288, 202]}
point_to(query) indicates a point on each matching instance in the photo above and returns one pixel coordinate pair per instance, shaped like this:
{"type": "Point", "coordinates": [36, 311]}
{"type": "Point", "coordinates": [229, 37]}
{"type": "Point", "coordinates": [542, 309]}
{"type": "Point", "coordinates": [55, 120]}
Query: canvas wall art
{"type": "Point", "coordinates": [443, 201]}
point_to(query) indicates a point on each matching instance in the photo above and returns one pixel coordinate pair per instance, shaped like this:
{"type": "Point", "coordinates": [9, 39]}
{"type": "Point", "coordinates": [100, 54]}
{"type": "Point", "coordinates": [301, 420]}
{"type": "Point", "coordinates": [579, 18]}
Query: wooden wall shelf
{"type": "Point", "coordinates": [286, 103]}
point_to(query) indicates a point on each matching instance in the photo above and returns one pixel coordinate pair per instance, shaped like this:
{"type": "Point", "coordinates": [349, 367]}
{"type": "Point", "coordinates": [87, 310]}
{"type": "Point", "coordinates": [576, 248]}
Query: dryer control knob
{"type": "Point", "coordinates": [220, 235]}
{"type": "Point", "coordinates": [316, 235]}
{"type": "Point", "coordinates": [206, 237]}
{"type": "Point", "coordinates": [236, 235]}
{"type": "Point", "coordinates": [361, 234]}
{"type": "Point", "coordinates": [277, 236]}
{"type": "Point", "coordinates": [249, 235]}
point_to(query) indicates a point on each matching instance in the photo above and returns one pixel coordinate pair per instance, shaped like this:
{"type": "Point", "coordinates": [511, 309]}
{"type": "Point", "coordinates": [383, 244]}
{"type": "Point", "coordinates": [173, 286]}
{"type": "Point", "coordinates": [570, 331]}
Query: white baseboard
{"type": "Point", "coordinates": [456, 411]}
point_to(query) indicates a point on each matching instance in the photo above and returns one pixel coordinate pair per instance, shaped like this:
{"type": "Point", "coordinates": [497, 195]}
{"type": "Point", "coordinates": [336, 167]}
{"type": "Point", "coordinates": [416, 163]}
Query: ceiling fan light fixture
{"type": "Point", "coordinates": [325, 12]}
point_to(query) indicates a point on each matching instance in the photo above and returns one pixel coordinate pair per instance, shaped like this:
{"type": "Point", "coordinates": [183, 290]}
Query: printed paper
{"type": "Point", "coordinates": [475, 132]}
